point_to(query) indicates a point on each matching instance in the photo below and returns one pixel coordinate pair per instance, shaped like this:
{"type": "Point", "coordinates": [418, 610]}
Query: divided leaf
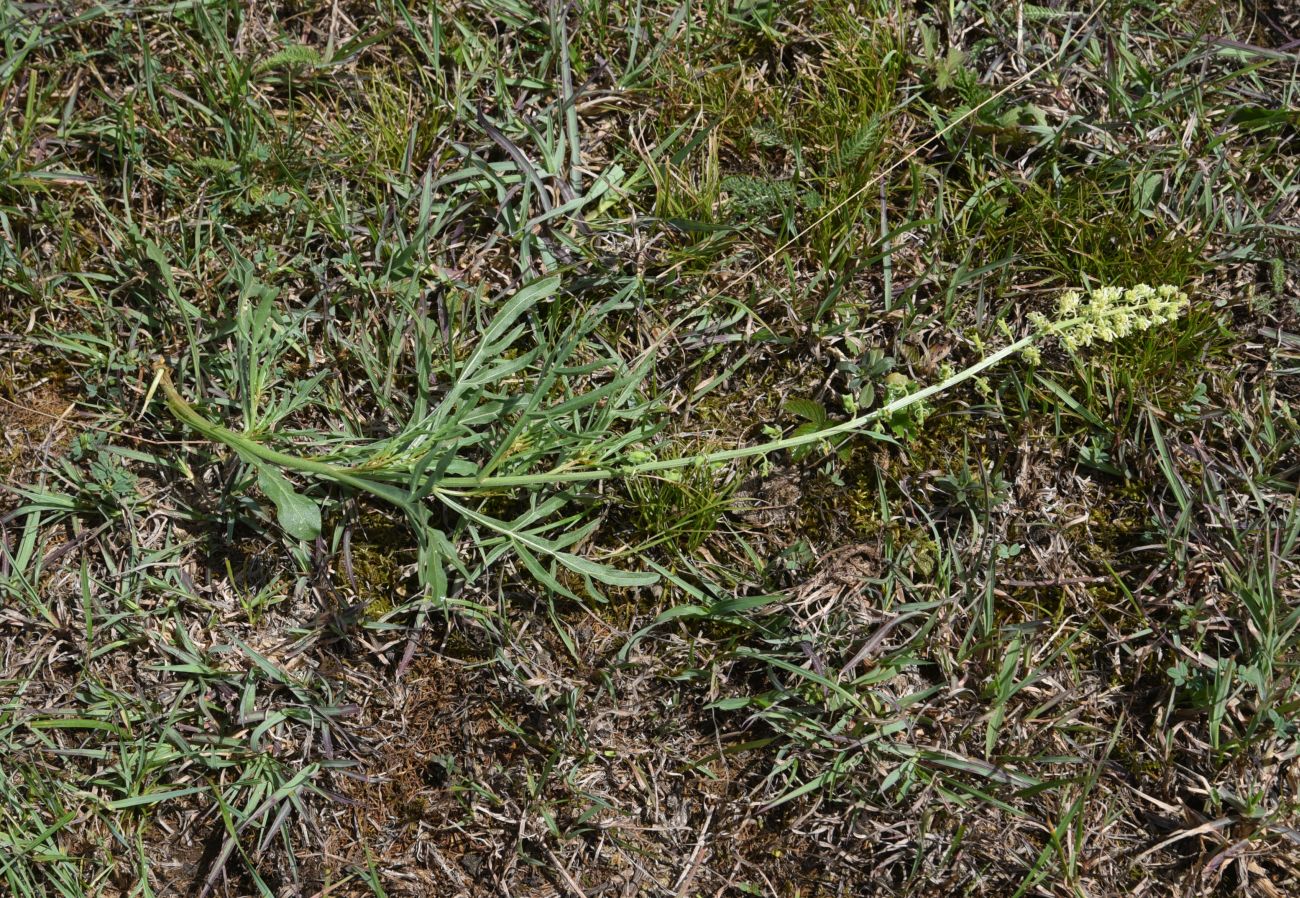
{"type": "Point", "coordinates": [810, 410]}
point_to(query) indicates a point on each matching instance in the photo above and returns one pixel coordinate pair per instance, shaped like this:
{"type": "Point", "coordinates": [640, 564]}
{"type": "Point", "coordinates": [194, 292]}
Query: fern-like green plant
{"type": "Point", "coordinates": [293, 55]}
{"type": "Point", "coordinates": [862, 143]}
{"type": "Point", "coordinates": [750, 196]}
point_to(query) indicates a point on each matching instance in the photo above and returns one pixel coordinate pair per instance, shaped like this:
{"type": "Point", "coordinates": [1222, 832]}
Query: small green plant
{"type": "Point", "coordinates": [107, 485]}
{"type": "Point", "coordinates": [680, 507]}
{"type": "Point", "coordinates": [815, 418]}
{"type": "Point", "coordinates": [752, 198]}
{"type": "Point", "coordinates": [861, 375]}
{"type": "Point", "coordinates": [428, 460]}
{"type": "Point", "coordinates": [906, 423]}
{"type": "Point", "coordinates": [968, 487]}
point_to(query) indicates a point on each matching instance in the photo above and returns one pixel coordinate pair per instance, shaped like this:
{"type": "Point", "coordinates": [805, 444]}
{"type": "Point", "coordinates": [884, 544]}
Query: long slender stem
{"type": "Point", "coordinates": [850, 426]}
{"type": "Point", "coordinates": [355, 478]}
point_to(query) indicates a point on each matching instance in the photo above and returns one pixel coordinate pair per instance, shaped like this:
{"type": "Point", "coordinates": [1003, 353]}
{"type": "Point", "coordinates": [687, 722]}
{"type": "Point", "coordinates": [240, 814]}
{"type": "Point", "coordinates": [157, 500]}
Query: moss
{"type": "Point", "coordinates": [382, 551]}
{"type": "Point", "coordinates": [1131, 756]}
{"type": "Point", "coordinates": [1116, 523]}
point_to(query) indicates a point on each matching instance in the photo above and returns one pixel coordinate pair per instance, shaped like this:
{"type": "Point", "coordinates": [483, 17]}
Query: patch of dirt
{"type": "Point", "coordinates": [35, 425]}
{"type": "Point", "coordinates": [564, 776]}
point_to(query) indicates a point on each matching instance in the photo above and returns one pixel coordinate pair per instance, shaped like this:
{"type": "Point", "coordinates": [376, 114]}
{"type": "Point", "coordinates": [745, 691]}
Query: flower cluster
{"type": "Point", "coordinates": [1110, 313]}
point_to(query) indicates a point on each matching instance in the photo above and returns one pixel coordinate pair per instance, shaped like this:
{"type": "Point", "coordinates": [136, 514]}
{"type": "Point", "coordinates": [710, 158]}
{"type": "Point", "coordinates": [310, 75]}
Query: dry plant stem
{"type": "Point", "coordinates": [357, 478]}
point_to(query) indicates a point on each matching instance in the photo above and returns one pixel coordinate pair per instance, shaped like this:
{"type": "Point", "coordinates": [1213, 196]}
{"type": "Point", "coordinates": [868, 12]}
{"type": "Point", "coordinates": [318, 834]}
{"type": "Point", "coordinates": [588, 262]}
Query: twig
{"type": "Point", "coordinates": [687, 879]}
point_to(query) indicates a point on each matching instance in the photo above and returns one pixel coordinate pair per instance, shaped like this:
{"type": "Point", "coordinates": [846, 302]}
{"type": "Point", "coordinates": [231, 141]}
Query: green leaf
{"type": "Point", "coordinates": [298, 515]}
{"type": "Point", "coordinates": [680, 611]}
{"type": "Point", "coordinates": [603, 572]}
{"type": "Point", "coordinates": [532, 541]}
{"type": "Point", "coordinates": [729, 704]}
{"type": "Point", "coordinates": [136, 801]}
{"type": "Point", "coordinates": [810, 410]}
{"type": "Point", "coordinates": [1073, 404]}
{"type": "Point", "coordinates": [541, 572]}
{"type": "Point", "coordinates": [804, 430]}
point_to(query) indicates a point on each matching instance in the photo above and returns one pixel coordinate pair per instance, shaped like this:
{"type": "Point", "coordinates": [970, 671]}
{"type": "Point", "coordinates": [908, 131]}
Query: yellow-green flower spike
{"type": "Point", "coordinates": [1110, 313]}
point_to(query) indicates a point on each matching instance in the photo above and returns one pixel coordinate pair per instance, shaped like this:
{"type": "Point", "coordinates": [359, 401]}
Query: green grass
{"type": "Point", "coordinates": [520, 448]}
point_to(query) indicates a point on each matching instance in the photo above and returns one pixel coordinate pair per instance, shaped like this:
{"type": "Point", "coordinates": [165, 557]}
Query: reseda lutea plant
{"type": "Point", "coordinates": [443, 471]}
